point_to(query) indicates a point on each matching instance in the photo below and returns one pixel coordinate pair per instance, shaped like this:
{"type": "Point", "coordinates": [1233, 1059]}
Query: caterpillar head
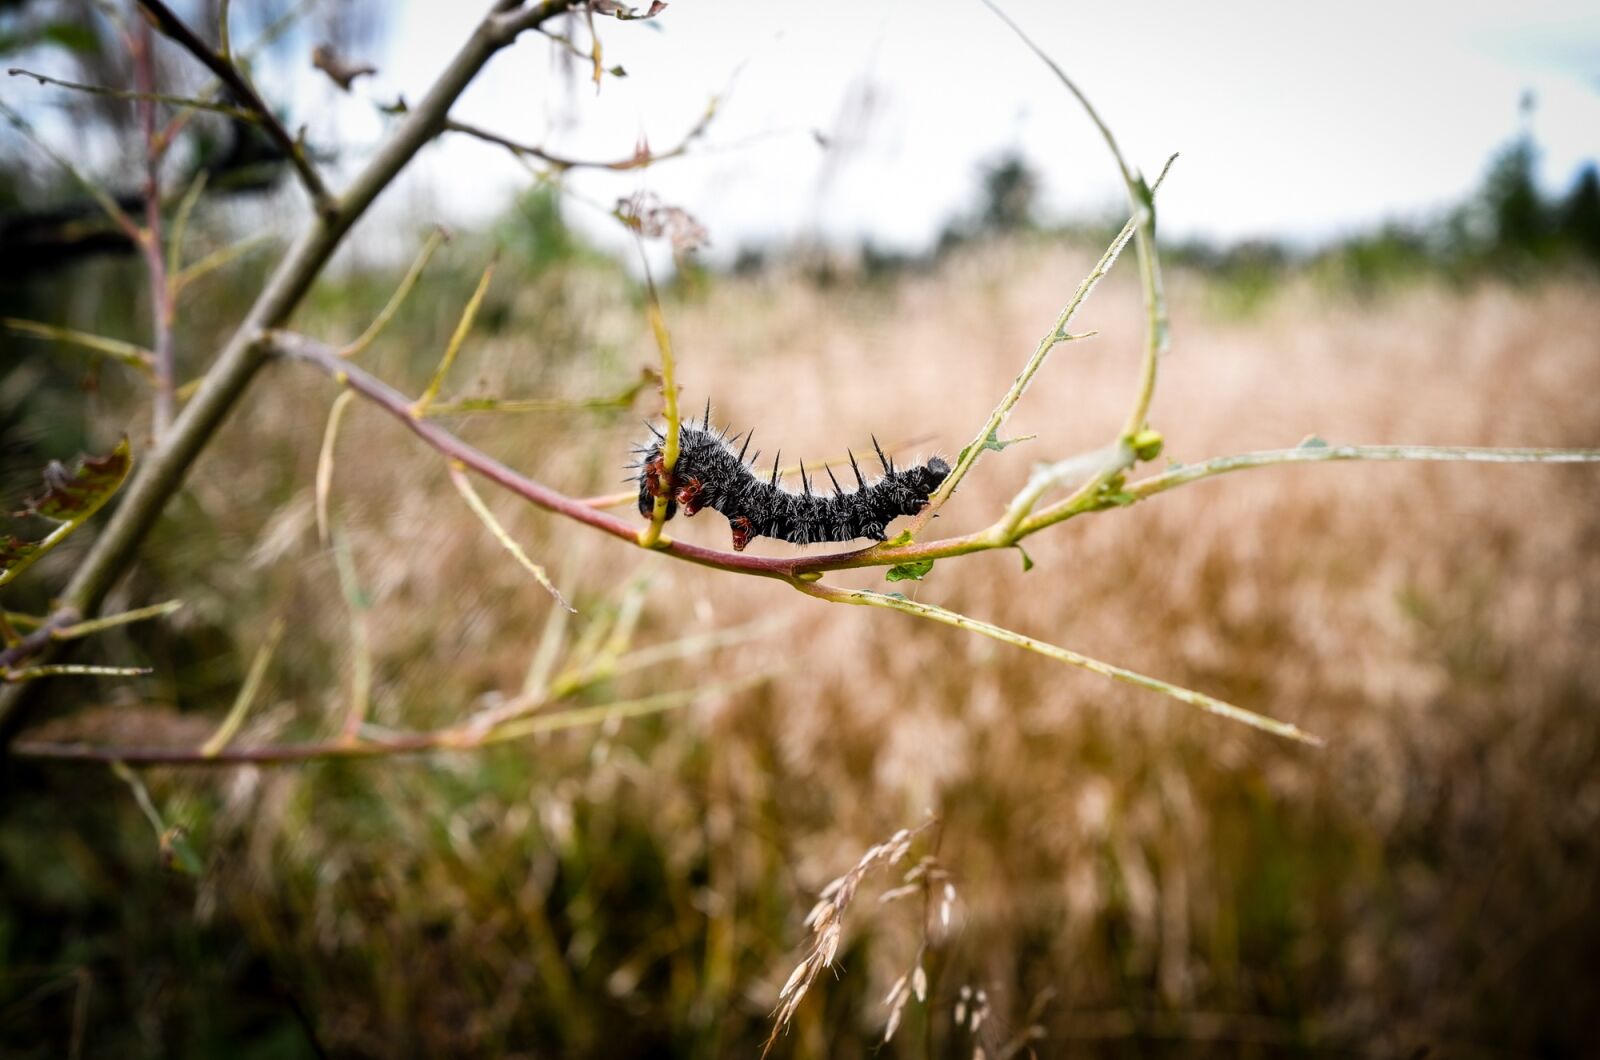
{"type": "Point", "coordinates": [919, 483]}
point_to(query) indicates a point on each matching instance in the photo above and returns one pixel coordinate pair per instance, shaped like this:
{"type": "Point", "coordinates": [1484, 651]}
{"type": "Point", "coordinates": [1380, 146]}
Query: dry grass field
{"type": "Point", "coordinates": [1133, 878]}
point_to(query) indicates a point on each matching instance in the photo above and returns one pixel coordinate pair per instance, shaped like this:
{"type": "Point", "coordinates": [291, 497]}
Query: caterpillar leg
{"type": "Point", "coordinates": [689, 496]}
{"type": "Point", "coordinates": [650, 489]}
{"type": "Point", "coordinates": [653, 473]}
{"type": "Point", "coordinates": [743, 531]}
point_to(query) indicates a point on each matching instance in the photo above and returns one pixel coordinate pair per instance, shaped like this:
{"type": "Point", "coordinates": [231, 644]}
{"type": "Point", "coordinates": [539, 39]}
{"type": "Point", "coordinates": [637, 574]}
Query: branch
{"type": "Point", "coordinates": [217, 259]}
{"type": "Point", "coordinates": [163, 472]}
{"type": "Point", "coordinates": [266, 37]}
{"type": "Point", "coordinates": [622, 399]}
{"type": "Point", "coordinates": [360, 648]}
{"type": "Point", "coordinates": [642, 157]}
{"type": "Point", "coordinates": [459, 336]}
{"type": "Point", "coordinates": [247, 693]}
{"type": "Point", "coordinates": [1116, 673]}
{"type": "Point", "coordinates": [230, 75]}
{"type": "Point", "coordinates": [650, 536]}
{"type": "Point", "coordinates": [107, 204]}
{"type": "Point", "coordinates": [330, 437]}
{"type": "Point", "coordinates": [1305, 454]}
{"type": "Point", "coordinates": [162, 294]}
{"type": "Point", "coordinates": [988, 437]}
{"type": "Point", "coordinates": [453, 739]}
{"type": "Point", "coordinates": [130, 354]}
{"type": "Point", "coordinates": [464, 487]}
{"type": "Point", "coordinates": [1141, 198]}
{"type": "Point", "coordinates": [431, 244]}
{"type": "Point", "coordinates": [141, 96]}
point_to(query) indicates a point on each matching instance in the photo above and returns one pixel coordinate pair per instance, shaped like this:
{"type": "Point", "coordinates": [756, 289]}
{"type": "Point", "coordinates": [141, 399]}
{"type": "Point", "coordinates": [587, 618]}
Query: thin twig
{"type": "Point", "coordinates": [360, 651]}
{"type": "Point", "coordinates": [330, 437]}
{"type": "Point", "coordinates": [180, 220]}
{"type": "Point", "coordinates": [402, 744]}
{"type": "Point", "coordinates": [266, 37]}
{"type": "Point", "coordinates": [34, 673]}
{"type": "Point", "coordinates": [650, 536]}
{"type": "Point", "coordinates": [139, 96]}
{"type": "Point", "coordinates": [1142, 201]}
{"type": "Point", "coordinates": [1117, 673]}
{"type": "Point", "coordinates": [622, 399]}
{"type": "Point", "coordinates": [463, 485]}
{"type": "Point", "coordinates": [218, 258]}
{"type": "Point", "coordinates": [79, 630]}
{"type": "Point", "coordinates": [247, 693]}
{"type": "Point", "coordinates": [130, 354]}
{"type": "Point", "coordinates": [234, 79]}
{"type": "Point", "coordinates": [1089, 470]}
{"type": "Point", "coordinates": [1305, 454]}
{"type": "Point", "coordinates": [431, 244]}
{"type": "Point", "coordinates": [463, 328]}
{"type": "Point", "coordinates": [988, 436]}
{"type": "Point", "coordinates": [107, 204]}
{"type": "Point", "coordinates": [642, 157]}
{"type": "Point", "coordinates": [161, 292]}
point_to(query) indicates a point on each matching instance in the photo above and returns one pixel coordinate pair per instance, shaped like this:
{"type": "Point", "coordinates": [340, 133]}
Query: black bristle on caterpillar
{"type": "Point", "coordinates": [709, 474]}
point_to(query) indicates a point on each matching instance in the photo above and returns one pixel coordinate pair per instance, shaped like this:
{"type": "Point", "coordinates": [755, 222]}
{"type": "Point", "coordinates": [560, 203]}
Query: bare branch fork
{"type": "Point", "coordinates": [223, 67]}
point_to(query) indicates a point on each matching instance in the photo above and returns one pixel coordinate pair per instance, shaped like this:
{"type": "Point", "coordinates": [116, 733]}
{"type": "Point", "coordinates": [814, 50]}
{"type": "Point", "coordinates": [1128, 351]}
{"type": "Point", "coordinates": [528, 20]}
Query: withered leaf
{"type": "Point", "coordinates": [70, 498]}
{"type": "Point", "coordinates": [340, 70]}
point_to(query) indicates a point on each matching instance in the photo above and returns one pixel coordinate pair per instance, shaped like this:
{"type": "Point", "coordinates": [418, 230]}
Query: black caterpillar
{"type": "Point", "coordinates": [710, 475]}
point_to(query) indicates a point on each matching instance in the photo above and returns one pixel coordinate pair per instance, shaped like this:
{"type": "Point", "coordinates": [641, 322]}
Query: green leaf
{"type": "Point", "coordinates": [1027, 560]}
{"type": "Point", "coordinates": [910, 572]}
{"type": "Point", "coordinates": [1311, 441]}
{"type": "Point", "coordinates": [178, 854]}
{"type": "Point", "coordinates": [70, 498]}
{"type": "Point", "coordinates": [902, 538]}
{"type": "Point", "coordinates": [72, 36]}
{"type": "Point", "coordinates": [1147, 197]}
{"type": "Point", "coordinates": [69, 35]}
{"type": "Point", "coordinates": [995, 443]}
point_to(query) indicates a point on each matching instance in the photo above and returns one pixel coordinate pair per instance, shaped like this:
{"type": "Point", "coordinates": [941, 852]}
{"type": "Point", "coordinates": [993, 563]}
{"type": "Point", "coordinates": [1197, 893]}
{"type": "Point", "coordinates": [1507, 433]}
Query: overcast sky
{"type": "Point", "coordinates": [1293, 121]}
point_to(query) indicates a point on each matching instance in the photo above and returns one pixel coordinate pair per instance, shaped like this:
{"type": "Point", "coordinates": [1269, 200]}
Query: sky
{"type": "Point", "coordinates": [1293, 122]}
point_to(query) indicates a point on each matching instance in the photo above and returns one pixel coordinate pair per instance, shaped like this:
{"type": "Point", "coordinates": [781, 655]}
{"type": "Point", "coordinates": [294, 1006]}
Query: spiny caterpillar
{"type": "Point", "coordinates": [709, 474]}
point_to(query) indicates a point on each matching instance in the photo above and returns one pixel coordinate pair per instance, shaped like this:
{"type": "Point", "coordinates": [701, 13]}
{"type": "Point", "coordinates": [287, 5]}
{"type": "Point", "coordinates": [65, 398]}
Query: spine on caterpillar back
{"type": "Point", "coordinates": [710, 474]}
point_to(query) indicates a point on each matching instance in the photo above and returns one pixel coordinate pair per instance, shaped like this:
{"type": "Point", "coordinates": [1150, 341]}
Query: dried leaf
{"type": "Point", "coordinates": [625, 13]}
{"type": "Point", "coordinates": [645, 214]}
{"type": "Point", "coordinates": [340, 71]}
{"type": "Point", "coordinates": [178, 854]}
{"type": "Point", "coordinates": [70, 498]}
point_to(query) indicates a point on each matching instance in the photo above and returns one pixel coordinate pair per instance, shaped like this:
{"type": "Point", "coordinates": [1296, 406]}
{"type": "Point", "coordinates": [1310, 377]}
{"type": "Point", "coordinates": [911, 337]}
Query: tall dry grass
{"type": "Point", "coordinates": [1131, 873]}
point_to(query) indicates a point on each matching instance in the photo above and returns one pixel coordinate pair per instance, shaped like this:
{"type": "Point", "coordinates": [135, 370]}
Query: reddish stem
{"type": "Point", "coordinates": [161, 305]}
{"type": "Point", "coordinates": [399, 406]}
{"type": "Point", "coordinates": [265, 754]}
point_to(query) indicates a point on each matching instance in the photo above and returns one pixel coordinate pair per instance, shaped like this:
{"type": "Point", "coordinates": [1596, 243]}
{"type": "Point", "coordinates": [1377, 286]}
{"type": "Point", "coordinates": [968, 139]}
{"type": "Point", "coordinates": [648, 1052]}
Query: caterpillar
{"type": "Point", "coordinates": [709, 474]}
